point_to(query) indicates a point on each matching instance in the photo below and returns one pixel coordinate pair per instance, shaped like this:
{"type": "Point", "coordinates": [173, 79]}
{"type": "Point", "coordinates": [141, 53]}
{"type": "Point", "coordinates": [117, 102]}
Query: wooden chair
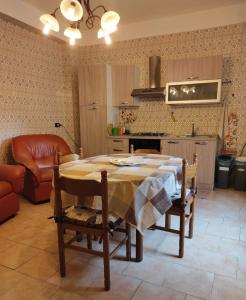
{"type": "Point", "coordinates": [90, 222]}
{"type": "Point", "coordinates": [181, 205]}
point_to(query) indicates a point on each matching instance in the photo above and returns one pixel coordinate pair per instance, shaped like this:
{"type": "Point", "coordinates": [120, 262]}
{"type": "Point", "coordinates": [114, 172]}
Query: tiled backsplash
{"type": "Point", "coordinates": [155, 115]}
{"type": "Point", "coordinates": [38, 81]}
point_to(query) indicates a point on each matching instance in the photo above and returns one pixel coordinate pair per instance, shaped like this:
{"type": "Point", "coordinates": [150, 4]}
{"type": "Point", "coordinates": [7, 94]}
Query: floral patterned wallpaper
{"type": "Point", "coordinates": [38, 81]}
{"type": "Point", "coordinates": [155, 115]}
{"type": "Point", "coordinates": [36, 85]}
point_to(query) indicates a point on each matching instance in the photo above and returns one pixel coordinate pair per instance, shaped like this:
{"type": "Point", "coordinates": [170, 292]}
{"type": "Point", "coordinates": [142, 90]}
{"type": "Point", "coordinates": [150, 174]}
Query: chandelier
{"type": "Point", "coordinates": [73, 11]}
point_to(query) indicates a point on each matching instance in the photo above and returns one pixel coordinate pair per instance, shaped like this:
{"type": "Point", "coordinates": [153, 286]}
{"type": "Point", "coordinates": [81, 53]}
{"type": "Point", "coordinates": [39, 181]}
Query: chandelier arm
{"type": "Point", "coordinates": [55, 11]}
{"type": "Point", "coordinates": [90, 21]}
{"type": "Point", "coordinates": [99, 6]}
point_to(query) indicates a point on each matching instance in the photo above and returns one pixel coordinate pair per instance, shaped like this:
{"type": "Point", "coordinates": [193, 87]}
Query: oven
{"type": "Point", "coordinates": [145, 144]}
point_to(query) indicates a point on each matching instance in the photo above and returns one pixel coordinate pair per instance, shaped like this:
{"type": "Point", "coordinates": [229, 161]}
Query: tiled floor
{"type": "Point", "coordinates": [214, 266]}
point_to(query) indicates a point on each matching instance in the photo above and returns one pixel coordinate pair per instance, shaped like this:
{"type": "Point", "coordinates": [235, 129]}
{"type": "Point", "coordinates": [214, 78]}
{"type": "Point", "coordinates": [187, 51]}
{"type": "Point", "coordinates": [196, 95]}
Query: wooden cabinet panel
{"type": "Point", "coordinates": [206, 151]}
{"type": "Point", "coordinates": [124, 80]}
{"type": "Point", "coordinates": [204, 68]}
{"type": "Point", "coordinates": [174, 148]}
{"type": "Point", "coordinates": [92, 85]}
{"type": "Point", "coordinates": [93, 130]}
{"type": "Point", "coordinates": [118, 146]}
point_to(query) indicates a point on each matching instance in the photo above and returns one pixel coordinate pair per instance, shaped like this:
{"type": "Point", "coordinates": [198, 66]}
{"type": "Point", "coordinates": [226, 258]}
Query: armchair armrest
{"type": "Point", "coordinates": [14, 175]}
{"type": "Point", "coordinates": [33, 169]}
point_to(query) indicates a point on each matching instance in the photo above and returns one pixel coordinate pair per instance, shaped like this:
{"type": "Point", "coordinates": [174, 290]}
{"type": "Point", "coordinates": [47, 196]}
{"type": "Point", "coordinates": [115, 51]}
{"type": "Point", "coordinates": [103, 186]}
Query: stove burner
{"type": "Point", "coordinates": [149, 134]}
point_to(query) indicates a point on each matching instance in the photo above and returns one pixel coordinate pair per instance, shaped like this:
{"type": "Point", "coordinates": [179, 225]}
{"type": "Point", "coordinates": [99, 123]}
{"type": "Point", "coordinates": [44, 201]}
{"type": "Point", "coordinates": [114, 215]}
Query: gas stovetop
{"type": "Point", "coordinates": [149, 134]}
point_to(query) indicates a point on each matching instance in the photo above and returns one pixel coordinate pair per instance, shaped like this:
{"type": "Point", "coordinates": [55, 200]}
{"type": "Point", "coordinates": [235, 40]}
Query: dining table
{"type": "Point", "coordinates": [140, 186]}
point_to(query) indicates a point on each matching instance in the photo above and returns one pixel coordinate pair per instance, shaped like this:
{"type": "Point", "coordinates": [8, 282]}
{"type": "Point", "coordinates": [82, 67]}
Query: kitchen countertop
{"type": "Point", "coordinates": [168, 137]}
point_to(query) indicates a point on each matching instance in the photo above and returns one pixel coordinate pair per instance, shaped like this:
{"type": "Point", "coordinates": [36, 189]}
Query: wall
{"type": "Point", "coordinates": [155, 115]}
{"type": "Point", "coordinates": [36, 85]}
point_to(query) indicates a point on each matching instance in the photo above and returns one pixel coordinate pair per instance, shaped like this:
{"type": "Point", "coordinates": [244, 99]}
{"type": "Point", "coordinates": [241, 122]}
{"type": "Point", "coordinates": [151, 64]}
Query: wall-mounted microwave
{"type": "Point", "coordinates": [193, 92]}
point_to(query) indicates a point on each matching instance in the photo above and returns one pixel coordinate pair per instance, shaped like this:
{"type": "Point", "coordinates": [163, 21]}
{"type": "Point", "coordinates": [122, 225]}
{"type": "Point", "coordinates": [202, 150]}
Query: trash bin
{"type": "Point", "coordinates": [239, 171]}
{"type": "Point", "coordinates": [223, 171]}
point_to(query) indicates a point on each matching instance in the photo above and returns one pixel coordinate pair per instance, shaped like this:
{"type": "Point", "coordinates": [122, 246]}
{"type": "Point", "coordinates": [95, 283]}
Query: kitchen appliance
{"type": "Point", "coordinates": [193, 92]}
{"type": "Point", "coordinates": [154, 90]}
{"type": "Point", "coordinates": [145, 144]}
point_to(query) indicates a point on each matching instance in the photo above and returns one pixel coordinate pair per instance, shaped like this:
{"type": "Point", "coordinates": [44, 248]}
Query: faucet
{"type": "Point", "coordinates": [193, 133]}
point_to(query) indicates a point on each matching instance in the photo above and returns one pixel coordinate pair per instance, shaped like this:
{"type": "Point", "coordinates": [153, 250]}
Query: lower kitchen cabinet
{"type": "Point", "coordinates": [93, 130]}
{"type": "Point", "coordinates": [206, 151]}
{"type": "Point", "coordinates": [117, 146]}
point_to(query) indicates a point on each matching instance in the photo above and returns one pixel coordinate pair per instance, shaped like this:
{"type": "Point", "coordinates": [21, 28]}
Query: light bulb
{"type": "Point", "coordinates": [72, 41]}
{"type": "Point", "coordinates": [71, 12]}
{"type": "Point", "coordinates": [108, 39]}
{"type": "Point", "coordinates": [46, 29]}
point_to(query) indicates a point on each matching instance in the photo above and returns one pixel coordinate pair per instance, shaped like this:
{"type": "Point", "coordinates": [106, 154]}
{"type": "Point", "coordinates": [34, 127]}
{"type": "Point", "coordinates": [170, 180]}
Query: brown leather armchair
{"type": "Point", "coordinates": [38, 154]}
{"type": "Point", "coordinates": [11, 183]}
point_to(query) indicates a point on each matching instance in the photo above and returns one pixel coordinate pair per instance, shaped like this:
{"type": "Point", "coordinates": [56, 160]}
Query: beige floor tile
{"type": "Point", "coordinates": [233, 247]}
{"type": "Point", "coordinates": [122, 287]}
{"type": "Point", "coordinates": [148, 291]}
{"type": "Point", "coordinates": [29, 289]}
{"type": "Point", "coordinates": [18, 255]}
{"type": "Point", "coordinates": [150, 269]}
{"type": "Point", "coordinates": [63, 295]}
{"type": "Point", "coordinates": [188, 280]}
{"type": "Point", "coordinates": [6, 244]}
{"type": "Point", "coordinates": [228, 289]}
{"type": "Point", "coordinates": [42, 266]}
{"type": "Point", "coordinates": [223, 230]}
{"type": "Point", "coordinates": [213, 261]}
{"type": "Point", "coordinates": [79, 276]}
{"type": "Point", "coordinates": [8, 279]}
{"type": "Point", "coordinates": [241, 272]}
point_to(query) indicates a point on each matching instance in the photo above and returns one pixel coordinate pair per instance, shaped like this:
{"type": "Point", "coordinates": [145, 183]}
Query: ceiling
{"type": "Point", "coordinates": [132, 11]}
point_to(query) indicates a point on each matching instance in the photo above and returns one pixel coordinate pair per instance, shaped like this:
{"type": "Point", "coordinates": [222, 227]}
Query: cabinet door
{"type": "Point", "coordinates": [206, 151]}
{"type": "Point", "coordinates": [92, 85]}
{"type": "Point", "coordinates": [124, 80]}
{"type": "Point", "coordinates": [93, 130]}
{"type": "Point", "coordinates": [173, 148]}
{"type": "Point", "coordinates": [204, 68]}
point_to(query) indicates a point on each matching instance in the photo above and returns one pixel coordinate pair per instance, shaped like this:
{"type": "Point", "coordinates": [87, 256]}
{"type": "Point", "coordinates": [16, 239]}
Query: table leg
{"type": "Point", "coordinates": [139, 246]}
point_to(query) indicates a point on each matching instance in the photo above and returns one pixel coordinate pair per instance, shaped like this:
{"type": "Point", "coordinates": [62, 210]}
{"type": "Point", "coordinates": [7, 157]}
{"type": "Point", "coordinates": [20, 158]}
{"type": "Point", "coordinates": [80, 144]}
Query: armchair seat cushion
{"type": "Point", "coordinates": [5, 188]}
{"type": "Point", "coordinates": [46, 174]}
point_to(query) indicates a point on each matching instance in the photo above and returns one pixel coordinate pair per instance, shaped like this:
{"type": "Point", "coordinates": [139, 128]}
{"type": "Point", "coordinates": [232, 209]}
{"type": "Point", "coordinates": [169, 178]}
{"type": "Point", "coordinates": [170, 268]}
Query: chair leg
{"type": "Point", "coordinates": [128, 242]}
{"type": "Point", "coordinates": [60, 232]}
{"type": "Point", "coordinates": [106, 261]}
{"type": "Point", "coordinates": [89, 243]}
{"type": "Point", "coordinates": [191, 222]}
{"type": "Point", "coordinates": [167, 221]}
{"type": "Point", "coordinates": [181, 234]}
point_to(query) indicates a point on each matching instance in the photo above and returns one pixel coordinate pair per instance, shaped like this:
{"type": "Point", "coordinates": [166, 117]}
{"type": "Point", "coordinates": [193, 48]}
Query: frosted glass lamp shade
{"type": "Point", "coordinates": [50, 22]}
{"type": "Point", "coordinates": [109, 20]}
{"type": "Point", "coordinates": [71, 10]}
{"type": "Point", "coordinates": [73, 33]}
{"type": "Point", "coordinates": [102, 32]}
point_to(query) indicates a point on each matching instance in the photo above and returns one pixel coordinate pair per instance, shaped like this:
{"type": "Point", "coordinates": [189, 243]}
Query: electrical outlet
{"type": "Point", "coordinates": [58, 124]}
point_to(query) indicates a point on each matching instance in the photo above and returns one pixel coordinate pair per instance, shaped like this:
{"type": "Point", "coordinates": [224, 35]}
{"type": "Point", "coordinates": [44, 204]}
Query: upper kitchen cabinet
{"type": "Point", "coordinates": [203, 68]}
{"type": "Point", "coordinates": [124, 80]}
{"type": "Point", "coordinates": [93, 85]}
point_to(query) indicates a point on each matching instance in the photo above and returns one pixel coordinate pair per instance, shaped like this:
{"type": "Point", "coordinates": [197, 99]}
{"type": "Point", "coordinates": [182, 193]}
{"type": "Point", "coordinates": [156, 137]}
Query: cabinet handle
{"type": "Point", "coordinates": [117, 141]}
{"type": "Point", "coordinates": [124, 103]}
{"type": "Point", "coordinates": [193, 77]}
{"type": "Point", "coordinates": [118, 150]}
{"type": "Point", "coordinates": [172, 142]}
{"type": "Point", "coordinates": [201, 143]}
{"type": "Point", "coordinates": [92, 108]}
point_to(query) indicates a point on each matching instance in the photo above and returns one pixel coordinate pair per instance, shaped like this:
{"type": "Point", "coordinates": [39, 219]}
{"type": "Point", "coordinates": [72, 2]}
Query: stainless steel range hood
{"type": "Point", "coordinates": [155, 90]}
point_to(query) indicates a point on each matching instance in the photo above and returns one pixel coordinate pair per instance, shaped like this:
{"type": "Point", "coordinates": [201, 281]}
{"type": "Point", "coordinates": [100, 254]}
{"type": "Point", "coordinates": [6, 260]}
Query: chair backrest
{"type": "Point", "coordinates": [147, 151]}
{"type": "Point", "coordinates": [189, 173]}
{"type": "Point", "coordinates": [81, 188]}
{"type": "Point", "coordinates": [40, 148]}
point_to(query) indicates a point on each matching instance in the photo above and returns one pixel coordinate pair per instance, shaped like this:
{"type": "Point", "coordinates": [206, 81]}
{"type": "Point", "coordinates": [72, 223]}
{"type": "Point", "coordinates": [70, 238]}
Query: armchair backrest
{"type": "Point", "coordinates": [39, 148]}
